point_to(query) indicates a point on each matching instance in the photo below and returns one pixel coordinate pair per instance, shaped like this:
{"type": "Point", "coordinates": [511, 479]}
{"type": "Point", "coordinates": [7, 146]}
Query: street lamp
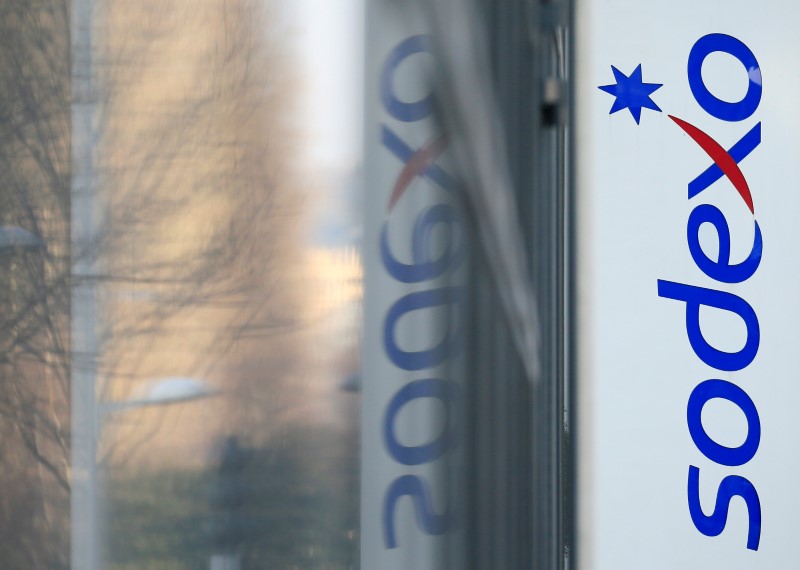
{"type": "Point", "coordinates": [14, 240]}
{"type": "Point", "coordinates": [162, 392]}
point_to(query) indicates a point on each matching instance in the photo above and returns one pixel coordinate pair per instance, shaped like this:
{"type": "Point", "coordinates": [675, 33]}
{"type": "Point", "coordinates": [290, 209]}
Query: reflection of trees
{"type": "Point", "coordinates": [187, 200]}
{"type": "Point", "coordinates": [192, 216]}
{"type": "Point", "coordinates": [297, 515]}
{"type": "Point", "coordinates": [34, 194]}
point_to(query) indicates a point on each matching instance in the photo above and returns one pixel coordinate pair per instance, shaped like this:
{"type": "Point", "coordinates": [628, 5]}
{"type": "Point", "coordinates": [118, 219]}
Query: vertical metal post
{"type": "Point", "coordinates": [83, 341]}
{"type": "Point", "coordinates": [546, 207]}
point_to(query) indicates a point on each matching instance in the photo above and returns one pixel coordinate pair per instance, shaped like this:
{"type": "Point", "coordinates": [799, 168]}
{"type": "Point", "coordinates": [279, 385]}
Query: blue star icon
{"type": "Point", "coordinates": [631, 93]}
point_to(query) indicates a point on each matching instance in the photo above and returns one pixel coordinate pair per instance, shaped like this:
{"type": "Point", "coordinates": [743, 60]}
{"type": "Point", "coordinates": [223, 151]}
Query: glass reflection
{"type": "Point", "coordinates": [180, 266]}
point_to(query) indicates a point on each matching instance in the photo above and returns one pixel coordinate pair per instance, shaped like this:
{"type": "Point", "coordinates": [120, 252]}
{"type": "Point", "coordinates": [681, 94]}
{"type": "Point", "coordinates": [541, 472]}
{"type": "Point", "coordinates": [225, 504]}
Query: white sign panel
{"type": "Point", "coordinates": [413, 250]}
{"type": "Point", "coordinates": [687, 135]}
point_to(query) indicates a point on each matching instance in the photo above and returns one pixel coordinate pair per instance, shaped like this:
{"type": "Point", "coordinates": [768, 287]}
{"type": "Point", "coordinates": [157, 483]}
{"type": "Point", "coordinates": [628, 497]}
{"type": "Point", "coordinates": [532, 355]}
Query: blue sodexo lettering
{"type": "Point", "coordinates": [419, 454]}
{"type": "Point", "coordinates": [720, 454]}
{"type": "Point", "coordinates": [731, 486]}
{"type": "Point", "coordinates": [425, 265]}
{"type": "Point", "coordinates": [696, 297]}
{"type": "Point", "coordinates": [724, 110]}
{"type": "Point", "coordinates": [446, 297]}
{"type": "Point", "coordinates": [427, 518]}
{"type": "Point", "coordinates": [405, 111]}
{"type": "Point", "coordinates": [721, 269]}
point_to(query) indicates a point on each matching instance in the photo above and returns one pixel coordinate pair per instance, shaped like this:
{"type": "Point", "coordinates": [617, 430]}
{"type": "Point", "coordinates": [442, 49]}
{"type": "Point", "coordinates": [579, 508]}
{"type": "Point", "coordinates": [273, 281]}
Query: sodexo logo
{"type": "Point", "coordinates": [431, 262]}
{"type": "Point", "coordinates": [632, 93]}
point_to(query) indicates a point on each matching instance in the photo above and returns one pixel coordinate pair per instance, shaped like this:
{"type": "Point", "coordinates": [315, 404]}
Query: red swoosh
{"type": "Point", "coordinates": [417, 165]}
{"type": "Point", "coordinates": [722, 159]}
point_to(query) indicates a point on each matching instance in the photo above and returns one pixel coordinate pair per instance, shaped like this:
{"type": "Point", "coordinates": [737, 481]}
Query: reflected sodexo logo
{"type": "Point", "coordinates": [633, 93]}
{"type": "Point", "coordinates": [424, 265]}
